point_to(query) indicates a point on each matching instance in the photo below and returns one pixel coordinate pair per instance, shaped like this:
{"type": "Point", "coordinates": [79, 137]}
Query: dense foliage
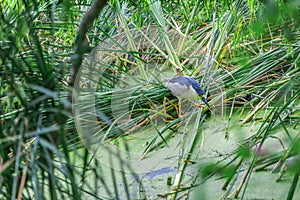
{"type": "Point", "coordinates": [244, 53]}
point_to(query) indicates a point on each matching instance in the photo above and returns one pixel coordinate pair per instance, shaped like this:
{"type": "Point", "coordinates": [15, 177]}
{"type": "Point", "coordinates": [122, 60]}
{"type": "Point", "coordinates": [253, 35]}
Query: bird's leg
{"type": "Point", "coordinates": [179, 108]}
{"type": "Point", "coordinates": [165, 107]}
{"type": "Point", "coordinates": [198, 105]}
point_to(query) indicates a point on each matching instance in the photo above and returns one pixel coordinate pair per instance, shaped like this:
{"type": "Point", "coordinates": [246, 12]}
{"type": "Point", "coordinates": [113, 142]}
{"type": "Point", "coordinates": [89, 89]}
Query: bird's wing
{"type": "Point", "coordinates": [196, 86]}
{"type": "Point", "coordinates": [198, 89]}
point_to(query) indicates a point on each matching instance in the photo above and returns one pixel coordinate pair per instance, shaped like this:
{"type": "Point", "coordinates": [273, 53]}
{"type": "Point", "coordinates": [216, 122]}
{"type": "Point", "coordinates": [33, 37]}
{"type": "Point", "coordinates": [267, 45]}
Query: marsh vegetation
{"type": "Point", "coordinates": [84, 111]}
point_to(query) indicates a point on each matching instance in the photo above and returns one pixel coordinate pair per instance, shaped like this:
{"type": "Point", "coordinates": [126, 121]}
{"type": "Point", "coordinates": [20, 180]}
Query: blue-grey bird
{"type": "Point", "coordinates": [184, 87]}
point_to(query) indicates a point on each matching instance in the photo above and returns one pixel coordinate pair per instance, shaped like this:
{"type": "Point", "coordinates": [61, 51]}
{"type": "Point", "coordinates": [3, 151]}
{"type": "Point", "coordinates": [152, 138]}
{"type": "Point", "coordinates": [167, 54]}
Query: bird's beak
{"type": "Point", "coordinates": [166, 80]}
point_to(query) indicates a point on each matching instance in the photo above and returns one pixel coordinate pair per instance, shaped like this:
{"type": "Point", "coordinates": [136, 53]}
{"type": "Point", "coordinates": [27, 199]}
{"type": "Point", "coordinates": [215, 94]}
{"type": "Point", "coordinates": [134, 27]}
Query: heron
{"type": "Point", "coordinates": [184, 87]}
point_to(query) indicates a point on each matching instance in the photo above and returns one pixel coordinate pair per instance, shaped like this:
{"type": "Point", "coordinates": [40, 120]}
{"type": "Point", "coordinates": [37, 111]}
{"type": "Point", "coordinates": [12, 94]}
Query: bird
{"type": "Point", "coordinates": [184, 87]}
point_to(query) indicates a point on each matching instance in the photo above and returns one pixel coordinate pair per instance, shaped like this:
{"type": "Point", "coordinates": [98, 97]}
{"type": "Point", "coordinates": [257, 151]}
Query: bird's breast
{"type": "Point", "coordinates": [182, 91]}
